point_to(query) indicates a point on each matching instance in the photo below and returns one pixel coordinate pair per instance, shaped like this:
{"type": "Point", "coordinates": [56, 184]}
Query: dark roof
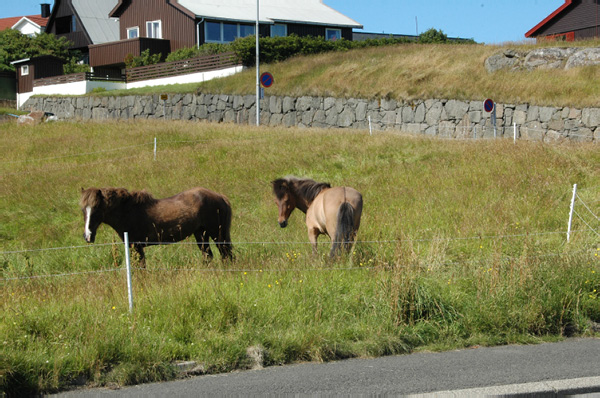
{"type": "Point", "coordinates": [555, 14]}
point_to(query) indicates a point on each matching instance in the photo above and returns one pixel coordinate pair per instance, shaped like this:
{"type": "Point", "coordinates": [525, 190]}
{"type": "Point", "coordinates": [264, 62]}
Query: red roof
{"type": "Point", "coordinates": [7, 23]}
{"type": "Point", "coordinates": [549, 18]}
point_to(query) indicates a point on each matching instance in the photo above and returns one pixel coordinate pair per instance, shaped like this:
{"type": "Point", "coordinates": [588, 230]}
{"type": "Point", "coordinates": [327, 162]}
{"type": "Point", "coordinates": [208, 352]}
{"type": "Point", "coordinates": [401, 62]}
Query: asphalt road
{"type": "Point", "coordinates": [568, 367]}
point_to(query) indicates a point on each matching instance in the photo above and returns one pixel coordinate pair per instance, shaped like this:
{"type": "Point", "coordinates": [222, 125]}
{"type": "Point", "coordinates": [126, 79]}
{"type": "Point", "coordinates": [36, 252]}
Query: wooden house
{"type": "Point", "coordinates": [574, 20]}
{"type": "Point", "coordinates": [168, 25]}
{"type": "Point", "coordinates": [30, 69]}
{"type": "Point", "coordinates": [83, 22]}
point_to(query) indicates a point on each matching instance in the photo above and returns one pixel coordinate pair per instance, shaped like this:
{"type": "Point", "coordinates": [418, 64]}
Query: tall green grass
{"type": "Point", "coordinates": [461, 243]}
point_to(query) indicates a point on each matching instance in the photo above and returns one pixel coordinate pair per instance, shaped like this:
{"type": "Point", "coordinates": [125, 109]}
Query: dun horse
{"type": "Point", "coordinates": [150, 221]}
{"type": "Point", "coordinates": [332, 211]}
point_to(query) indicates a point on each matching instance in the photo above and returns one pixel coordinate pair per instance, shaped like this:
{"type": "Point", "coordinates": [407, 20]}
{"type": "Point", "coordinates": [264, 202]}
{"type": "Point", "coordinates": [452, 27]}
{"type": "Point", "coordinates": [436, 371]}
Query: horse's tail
{"type": "Point", "coordinates": [345, 229]}
{"type": "Point", "coordinates": [225, 247]}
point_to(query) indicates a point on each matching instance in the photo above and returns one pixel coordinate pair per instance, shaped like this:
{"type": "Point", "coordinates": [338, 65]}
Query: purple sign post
{"type": "Point", "coordinates": [489, 106]}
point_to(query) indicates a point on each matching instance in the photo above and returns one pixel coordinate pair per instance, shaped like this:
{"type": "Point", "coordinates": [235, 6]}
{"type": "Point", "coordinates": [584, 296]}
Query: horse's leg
{"type": "Point", "coordinates": [223, 242]}
{"type": "Point", "coordinates": [140, 251]}
{"type": "Point", "coordinates": [335, 243]}
{"type": "Point", "coordinates": [313, 234]}
{"type": "Point", "coordinates": [202, 240]}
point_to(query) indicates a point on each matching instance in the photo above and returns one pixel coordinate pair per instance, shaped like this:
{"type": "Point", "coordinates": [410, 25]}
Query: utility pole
{"type": "Point", "coordinates": [257, 68]}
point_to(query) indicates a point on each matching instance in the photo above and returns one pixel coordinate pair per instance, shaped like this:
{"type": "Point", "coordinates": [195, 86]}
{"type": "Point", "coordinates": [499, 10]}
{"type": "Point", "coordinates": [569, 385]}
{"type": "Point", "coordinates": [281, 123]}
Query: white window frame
{"type": "Point", "coordinates": [221, 31]}
{"type": "Point", "coordinates": [135, 29]}
{"type": "Point", "coordinates": [339, 31]}
{"type": "Point", "coordinates": [24, 70]}
{"type": "Point", "coordinates": [150, 28]}
{"type": "Point", "coordinates": [284, 27]}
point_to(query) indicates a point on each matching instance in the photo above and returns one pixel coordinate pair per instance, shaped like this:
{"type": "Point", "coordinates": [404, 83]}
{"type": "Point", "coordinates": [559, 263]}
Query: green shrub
{"type": "Point", "coordinates": [276, 49]}
{"type": "Point", "coordinates": [193, 52]}
{"type": "Point", "coordinates": [144, 59]}
{"type": "Point", "coordinates": [74, 66]}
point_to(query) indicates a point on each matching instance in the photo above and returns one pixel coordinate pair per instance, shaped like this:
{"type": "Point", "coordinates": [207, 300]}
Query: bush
{"type": "Point", "coordinates": [143, 59]}
{"type": "Point", "coordinates": [193, 52]}
{"type": "Point", "coordinates": [276, 49]}
{"type": "Point", "coordinates": [433, 36]}
{"type": "Point", "coordinates": [74, 65]}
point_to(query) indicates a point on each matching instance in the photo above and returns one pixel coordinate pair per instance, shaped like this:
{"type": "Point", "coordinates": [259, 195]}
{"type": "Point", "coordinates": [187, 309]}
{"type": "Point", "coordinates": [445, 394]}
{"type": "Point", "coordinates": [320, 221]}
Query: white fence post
{"type": "Point", "coordinates": [571, 212]}
{"type": "Point", "coordinates": [515, 133]}
{"type": "Point", "coordinates": [128, 265]}
{"type": "Point", "coordinates": [370, 127]}
{"type": "Point", "coordinates": [154, 148]}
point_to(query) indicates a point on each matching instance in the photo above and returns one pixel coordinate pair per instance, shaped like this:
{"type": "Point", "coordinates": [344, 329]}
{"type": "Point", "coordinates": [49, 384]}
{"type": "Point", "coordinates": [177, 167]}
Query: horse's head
{"type": "Point", "coordinates": [285, 200]}
{"type": "Point", "coordinates": [92, 205]}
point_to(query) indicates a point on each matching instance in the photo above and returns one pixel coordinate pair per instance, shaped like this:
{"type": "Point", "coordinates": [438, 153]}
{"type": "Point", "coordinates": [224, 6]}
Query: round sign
{"type": "Point", "coordinates": [488, 105]}
{"type": "Point", "coordinates": [266, 79]}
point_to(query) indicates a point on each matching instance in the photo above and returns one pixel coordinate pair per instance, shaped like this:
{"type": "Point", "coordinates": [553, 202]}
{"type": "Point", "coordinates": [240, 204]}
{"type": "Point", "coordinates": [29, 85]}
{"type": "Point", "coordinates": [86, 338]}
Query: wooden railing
{"type": "Point", "coordinates": [176, 68]}
{"type": "Point", "coordinates": [165, 69]}
{"type": "Point", "coordinates": [62, 79]}
{"type": "Point", "coordinates": [76, 77]}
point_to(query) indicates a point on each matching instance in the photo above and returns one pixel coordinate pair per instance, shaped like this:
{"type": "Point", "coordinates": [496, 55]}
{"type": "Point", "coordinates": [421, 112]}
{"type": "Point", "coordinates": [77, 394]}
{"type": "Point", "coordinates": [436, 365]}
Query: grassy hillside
{"type": "Point", "coordinates": [462, 243]}
{"type": "Point", "coordinates": [415, 71]}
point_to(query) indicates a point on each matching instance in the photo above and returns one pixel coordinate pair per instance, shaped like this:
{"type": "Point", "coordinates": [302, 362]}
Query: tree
{"type": "Point", "coordinates": [433, 36]}
{"type": "Point", "coordinates": [14, 46]}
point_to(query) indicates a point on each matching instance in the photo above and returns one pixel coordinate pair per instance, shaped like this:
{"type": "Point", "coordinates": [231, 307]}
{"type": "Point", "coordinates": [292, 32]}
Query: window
{"type": "Point", "coordinates": [225, 32]}
{"type": "Point", "coordinates": [65, 25]}
{"type": "Point", "coordinates": [246, 30]}
{"type": "Point", "coordinates": [154, 29]}
{"type": "Point", "coordinates": [230, 32]}
{"type": "Point", "coordinates": [24, 70]}
{"type": "Point", "coordinates": [333, 34]}
{"type": "Point", "coordinates": [278, 30]}
{"type": "Point", "coordinates": [213, 31]}
{"type": "Point", "coordinates": [133, 33]}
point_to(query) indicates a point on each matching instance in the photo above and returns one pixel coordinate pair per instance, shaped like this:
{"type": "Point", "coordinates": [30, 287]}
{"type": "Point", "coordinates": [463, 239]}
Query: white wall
{"type": "Point", "coordinates": [71, 88]}
{"type": "Point", "coordinates": [190, 78]}
{"type": "Point", "coordinates": [84, 87]}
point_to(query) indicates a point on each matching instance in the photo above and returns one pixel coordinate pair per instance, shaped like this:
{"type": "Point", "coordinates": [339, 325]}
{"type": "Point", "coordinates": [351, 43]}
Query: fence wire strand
{"type": "Point", "coordinates": [588, 209]}
{"type": "Point", "coordinates": [76, 154]}
{"type": "Point", "coordinates": [61, 275]}
{"type": "Point", "coordinates": [585, 222]}
{"type": "Point", "coordinates": [258, 271]}
{"type": "Point", "coordinates": [241, 243]}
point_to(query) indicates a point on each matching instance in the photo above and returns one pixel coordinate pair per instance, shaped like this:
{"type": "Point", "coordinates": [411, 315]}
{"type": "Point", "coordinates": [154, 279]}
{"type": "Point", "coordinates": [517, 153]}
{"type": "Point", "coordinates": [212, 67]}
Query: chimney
{"type": "Point", "coordinates": [45, 10]}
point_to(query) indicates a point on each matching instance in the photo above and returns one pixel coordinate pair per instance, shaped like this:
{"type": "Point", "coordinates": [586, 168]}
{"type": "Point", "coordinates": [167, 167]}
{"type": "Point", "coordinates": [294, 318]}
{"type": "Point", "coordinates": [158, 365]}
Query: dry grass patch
{"type": "Point", "coordinates": [417, 71]}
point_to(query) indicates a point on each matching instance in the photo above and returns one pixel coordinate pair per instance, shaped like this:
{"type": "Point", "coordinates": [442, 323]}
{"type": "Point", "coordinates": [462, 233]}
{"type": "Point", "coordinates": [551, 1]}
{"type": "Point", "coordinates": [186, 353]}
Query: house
{"type": "Point", "coordinates": [30, 24]}
{"type": "Point", "coordinates": [167, 25]}
{"type": "Point", "coordinates": [29, 69]}
{"type": "Point", "coordinates": [83, 22]}
{"type": "Point", "coordinates": [574, 20]}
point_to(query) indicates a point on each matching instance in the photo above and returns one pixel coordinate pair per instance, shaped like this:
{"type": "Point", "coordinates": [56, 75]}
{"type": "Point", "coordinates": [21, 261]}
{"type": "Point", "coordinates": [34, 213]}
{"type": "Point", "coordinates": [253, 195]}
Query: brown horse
{"type": "Point", "coordinates": [150, 221]}
{"type": "Point", "coordinates": [332, 211]}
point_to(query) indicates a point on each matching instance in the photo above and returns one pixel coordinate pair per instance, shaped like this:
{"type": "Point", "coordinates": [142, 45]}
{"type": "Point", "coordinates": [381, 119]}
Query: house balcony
{"type": "Point", "coordinates": [112, 55]}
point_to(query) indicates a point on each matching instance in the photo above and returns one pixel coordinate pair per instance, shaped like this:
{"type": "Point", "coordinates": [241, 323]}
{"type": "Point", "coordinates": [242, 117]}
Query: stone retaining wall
{"type": "Point", "coordinates": [436, 117]}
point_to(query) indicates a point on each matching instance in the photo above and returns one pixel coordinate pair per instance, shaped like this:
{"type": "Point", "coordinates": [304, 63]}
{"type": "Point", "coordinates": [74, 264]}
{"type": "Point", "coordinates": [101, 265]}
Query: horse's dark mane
{"type": "Point", "coordinates": [141, 197]}
{"type": "Point", "coordinates": [112, 196]}
{"type": "Point", "coordinates": [305, 187]}
{"type": "Point", "coordinates": [89, 197]}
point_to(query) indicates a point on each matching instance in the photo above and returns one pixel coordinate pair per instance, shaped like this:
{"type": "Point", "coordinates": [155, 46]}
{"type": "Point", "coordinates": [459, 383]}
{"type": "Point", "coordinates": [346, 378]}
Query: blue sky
{"type": "Point", "coordinates": [488, 21]}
